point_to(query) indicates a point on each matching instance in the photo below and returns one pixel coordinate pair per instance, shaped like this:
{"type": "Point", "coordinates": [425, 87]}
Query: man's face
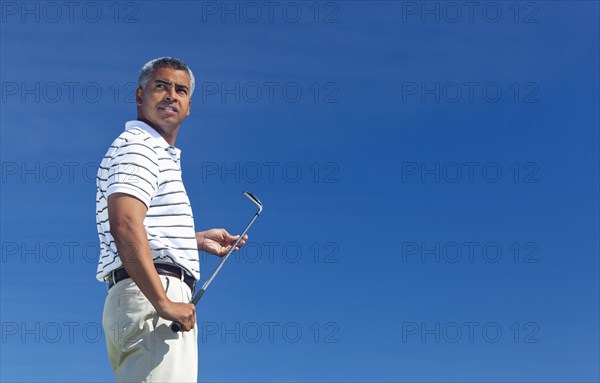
{"type": "Point", "coordinates": [165, 100]}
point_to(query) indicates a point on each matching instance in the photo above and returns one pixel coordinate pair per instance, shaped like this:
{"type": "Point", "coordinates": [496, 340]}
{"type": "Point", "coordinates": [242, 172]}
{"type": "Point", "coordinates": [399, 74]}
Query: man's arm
{"type": "Point", "coordinates": [126, 217]}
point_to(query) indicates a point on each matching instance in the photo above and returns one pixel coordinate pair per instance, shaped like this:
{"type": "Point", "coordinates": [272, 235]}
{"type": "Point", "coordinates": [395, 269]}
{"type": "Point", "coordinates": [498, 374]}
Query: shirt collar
{"type": "Point", "coordinates": [148, 129]}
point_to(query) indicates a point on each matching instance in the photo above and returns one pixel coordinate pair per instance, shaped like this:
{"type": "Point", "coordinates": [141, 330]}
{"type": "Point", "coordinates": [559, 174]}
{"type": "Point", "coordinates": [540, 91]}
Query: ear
{"type": "Point", "coordinates": [189, 108]}
{"type": "Point", "coordinates": [138, 96]}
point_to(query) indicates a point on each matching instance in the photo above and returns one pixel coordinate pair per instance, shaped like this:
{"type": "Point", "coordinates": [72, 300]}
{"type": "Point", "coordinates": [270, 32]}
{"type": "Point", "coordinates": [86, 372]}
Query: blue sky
{"type": "Point", "coordinates": [429, 172]}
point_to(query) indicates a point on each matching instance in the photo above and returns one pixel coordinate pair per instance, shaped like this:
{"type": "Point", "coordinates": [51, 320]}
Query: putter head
{"type": "Point", "coordinates": [254, 200]}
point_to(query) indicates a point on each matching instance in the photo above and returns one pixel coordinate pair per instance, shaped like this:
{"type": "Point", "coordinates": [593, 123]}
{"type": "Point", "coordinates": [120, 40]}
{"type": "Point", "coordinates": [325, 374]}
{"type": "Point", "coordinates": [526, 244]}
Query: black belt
{"type": "Point", "coordinates": [161, 268]}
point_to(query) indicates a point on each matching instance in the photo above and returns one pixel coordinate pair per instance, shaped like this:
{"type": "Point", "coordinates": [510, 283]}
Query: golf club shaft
{"type": "Point", "coordinates": [214, 274]}
{"type": "Point", "coordinates": [176, 326]}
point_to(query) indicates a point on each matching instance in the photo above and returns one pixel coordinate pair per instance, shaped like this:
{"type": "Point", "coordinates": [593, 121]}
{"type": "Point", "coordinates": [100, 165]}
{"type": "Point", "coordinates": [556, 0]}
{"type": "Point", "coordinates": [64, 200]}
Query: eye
{"type": "Point", "coordinates": [182, 91]}
{"type": "Point", "coordinates": [160, 86]}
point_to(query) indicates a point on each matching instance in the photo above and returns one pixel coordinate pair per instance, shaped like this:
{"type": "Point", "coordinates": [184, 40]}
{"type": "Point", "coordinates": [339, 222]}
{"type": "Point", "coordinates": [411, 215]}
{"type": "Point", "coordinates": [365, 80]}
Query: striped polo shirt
{"type": "Point", "coordinates": [142, 164]}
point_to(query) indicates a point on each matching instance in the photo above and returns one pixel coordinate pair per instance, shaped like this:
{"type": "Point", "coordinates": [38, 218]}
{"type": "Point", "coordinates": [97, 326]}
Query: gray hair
{"type": "Point", "coordinates": [164, 62]}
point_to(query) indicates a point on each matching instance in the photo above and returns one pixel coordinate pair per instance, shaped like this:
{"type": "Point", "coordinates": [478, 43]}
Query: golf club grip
{"type": "Point", "coordinates": [198, 296]}
{"type": "Point", "coordinates": [175, 326]}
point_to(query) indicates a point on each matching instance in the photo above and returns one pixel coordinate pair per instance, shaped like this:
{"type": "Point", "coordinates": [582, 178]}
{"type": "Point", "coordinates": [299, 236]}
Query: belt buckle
{"type": "Point", "coordinates": [110, 279]}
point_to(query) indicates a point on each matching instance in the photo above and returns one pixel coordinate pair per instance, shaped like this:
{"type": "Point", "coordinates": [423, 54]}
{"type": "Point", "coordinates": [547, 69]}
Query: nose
{"type": "Point", "coordinates": [171, 94]}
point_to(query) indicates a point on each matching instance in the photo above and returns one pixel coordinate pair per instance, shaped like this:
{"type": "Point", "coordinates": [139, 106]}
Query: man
{"type": "Point", "coordinates": [148, 245]}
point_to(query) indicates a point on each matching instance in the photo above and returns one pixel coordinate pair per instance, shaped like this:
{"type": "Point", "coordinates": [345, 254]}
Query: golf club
{"type": "Point", "coordinates": [176, 326]}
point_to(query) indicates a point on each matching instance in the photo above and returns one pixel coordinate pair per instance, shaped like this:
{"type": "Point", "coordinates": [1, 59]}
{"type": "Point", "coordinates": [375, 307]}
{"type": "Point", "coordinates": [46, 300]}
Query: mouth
{"type": "Point", "coordinates": [168, 109]}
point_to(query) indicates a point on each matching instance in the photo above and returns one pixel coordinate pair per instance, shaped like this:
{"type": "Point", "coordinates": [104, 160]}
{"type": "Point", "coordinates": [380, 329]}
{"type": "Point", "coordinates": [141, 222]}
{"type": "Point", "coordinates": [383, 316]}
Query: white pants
{"type": "Point", "coordinates": [141, 346]}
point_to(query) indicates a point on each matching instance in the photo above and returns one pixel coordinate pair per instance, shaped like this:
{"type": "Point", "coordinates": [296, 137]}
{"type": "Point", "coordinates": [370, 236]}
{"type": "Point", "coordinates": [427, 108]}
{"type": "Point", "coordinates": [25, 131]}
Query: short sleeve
{"type": "Point", "coordinates": [134, 170]}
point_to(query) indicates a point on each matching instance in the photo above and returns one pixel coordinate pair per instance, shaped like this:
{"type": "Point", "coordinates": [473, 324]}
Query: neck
{"type": "Point", "coordinates": [168, 134]}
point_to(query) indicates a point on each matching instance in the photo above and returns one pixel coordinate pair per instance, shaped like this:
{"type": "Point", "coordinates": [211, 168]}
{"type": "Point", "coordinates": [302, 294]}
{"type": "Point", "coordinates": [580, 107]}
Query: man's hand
{"type": "Point", "coordinates": [184, 313]}
{"type": "Point", "coordinates": [218, 241]}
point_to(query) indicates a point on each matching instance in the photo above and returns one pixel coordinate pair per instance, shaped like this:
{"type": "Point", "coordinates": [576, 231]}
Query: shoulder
{"type": "Point", "coordinates": [135, 141]}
